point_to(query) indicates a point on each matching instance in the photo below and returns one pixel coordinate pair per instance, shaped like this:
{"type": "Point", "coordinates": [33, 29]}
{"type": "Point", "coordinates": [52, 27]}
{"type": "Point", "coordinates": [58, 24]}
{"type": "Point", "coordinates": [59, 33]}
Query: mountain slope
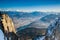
{"type": "Point", "coordinates": [44, 22]}
{"type": "Point", "coordinates": [24, 18]}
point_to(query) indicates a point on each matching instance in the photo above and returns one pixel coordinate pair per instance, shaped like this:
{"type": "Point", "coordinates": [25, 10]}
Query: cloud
{"type": "Point", "coordinates": [31, 9]}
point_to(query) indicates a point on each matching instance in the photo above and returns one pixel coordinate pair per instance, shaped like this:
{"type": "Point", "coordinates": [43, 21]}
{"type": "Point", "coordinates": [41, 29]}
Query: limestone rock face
{"type": "Point", "coordinates": [8, 24]}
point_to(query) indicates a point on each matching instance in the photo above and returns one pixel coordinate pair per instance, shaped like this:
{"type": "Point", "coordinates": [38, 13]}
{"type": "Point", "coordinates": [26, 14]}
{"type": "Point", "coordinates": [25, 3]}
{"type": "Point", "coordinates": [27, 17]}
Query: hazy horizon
{"type": "Point", "coordinates": [30, 5]}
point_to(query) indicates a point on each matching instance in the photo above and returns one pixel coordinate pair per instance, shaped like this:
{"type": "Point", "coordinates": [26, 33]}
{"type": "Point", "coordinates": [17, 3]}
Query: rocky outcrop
{"type": "Point", "coordinates": [8, 24]}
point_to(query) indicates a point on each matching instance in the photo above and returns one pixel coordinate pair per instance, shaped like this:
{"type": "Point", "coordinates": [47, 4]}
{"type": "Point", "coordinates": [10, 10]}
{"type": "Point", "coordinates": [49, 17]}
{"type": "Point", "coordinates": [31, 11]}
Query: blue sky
{"type": "Point", "coordinates": [30, 5]}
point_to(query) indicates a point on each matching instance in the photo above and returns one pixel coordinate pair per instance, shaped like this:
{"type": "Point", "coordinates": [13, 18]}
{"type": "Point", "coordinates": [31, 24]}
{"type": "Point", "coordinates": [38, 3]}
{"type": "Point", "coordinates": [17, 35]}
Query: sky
{"type": "Point", "coordinates": [30, 5]}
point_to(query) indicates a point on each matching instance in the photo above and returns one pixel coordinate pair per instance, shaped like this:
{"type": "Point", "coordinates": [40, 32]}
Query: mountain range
{"type": "Point", "coordinates": [24, 18]}
{"type": "Point", "coordinates": [43, 22]}
{"type": "Point", "coordinates": [29, 19]}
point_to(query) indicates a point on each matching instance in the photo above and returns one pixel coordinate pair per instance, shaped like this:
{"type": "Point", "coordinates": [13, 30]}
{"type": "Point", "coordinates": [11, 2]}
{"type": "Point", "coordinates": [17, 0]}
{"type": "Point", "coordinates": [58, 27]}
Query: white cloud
{"type": "Point", "coordinates": [31, 9]}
